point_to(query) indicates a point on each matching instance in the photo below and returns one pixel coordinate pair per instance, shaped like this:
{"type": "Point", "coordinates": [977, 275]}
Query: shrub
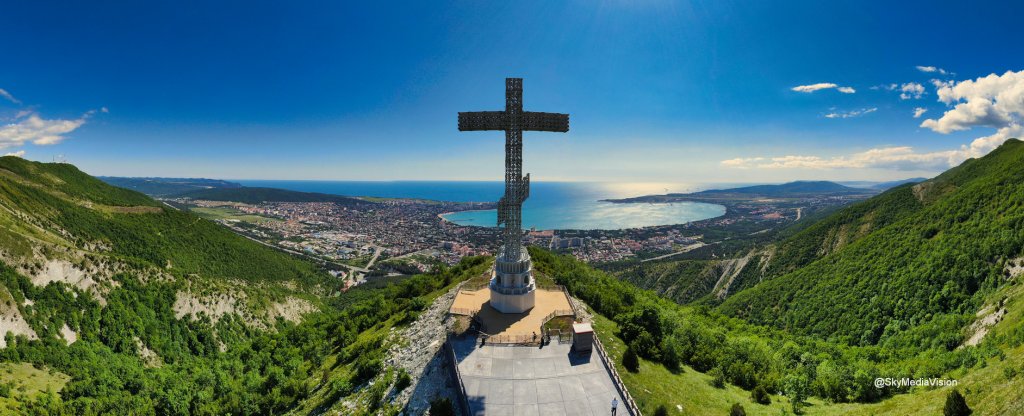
{"type": "Point", "coordinates": [717, 377]}
{"type": "Point", "coordinates": [956, 405]}
{"type": "Point", "coordinates": [630, 360]}
{"type": "Point", "coordinates": [403, 381]}
{"type": "Point", "coordinates": [737, 410]}
{"type": "Point", "coordinates": [441, 407]}
{"type": "Point", "coordinates": [661, 410]}
{"type": "Point", "coordinates": [760, 395]}
{"type": "Point", "coordinates": [1010, 372]}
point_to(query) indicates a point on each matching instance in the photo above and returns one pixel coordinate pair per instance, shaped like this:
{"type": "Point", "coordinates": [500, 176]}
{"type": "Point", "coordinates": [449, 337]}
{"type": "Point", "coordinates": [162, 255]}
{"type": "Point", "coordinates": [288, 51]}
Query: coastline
{"type": "Point", "coordinates": [441, 215]}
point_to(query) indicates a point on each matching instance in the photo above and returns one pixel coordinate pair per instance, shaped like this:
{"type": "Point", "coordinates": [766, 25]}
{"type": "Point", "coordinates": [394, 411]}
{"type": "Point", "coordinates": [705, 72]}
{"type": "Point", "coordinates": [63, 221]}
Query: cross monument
{"type": "Point", "coordinates": [513, 289]}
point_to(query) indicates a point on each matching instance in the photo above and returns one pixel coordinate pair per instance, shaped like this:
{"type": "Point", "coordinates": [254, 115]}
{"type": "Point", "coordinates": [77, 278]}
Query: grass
{"type": "Point", "coordinates": [988, 390]}
{"type": "Point", "coordinates": [654, 385]}
{"type": "Point", "coordinates": [27, 380]}
{"type": "Point", "coordinates": [561, 323]}
{"type": "Point", "coordinates": [228, 213]}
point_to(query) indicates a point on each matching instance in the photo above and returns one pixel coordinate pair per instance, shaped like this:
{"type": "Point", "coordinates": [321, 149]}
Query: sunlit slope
{"type": "Point", "coordinates": [56, 207]}
{"type": "Point", "coordinates": [917, 255]}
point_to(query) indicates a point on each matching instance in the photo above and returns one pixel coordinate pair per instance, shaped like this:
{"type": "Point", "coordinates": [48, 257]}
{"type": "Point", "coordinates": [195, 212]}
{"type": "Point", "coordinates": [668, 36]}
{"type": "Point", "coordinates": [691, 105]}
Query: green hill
{"type": "Point", "coordinates": [256, 195]}
{"type": "Point", "coordinates": [116, 304]}
{"type": "Point", "coordinates": [788, 189]}
{"type": "Point", "coordinates": [796, 189]}
{"type": "Point", "coordinates": [917, 256]}
{"type": "Point", "coordinates": [166, 186]}
{"type": "Point", "coordinates": [703, 361]}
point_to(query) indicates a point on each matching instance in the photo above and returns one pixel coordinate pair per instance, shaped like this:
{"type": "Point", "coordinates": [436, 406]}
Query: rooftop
{"type": "Point", "coordinates": [514, 381]}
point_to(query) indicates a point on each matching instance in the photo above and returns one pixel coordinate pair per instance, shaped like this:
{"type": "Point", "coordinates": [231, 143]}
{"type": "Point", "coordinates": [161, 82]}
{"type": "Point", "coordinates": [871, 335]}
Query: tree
{"type": "Point", "coordinates": [832, 379]}
{"type": "Point", "coordinates": [796, 387]}
{"type": "Point", "coordinates": [956, 405]}
{"type": "Point", "coordinates": [737, 410]}
{"type": "Point", "coordinates": [630, 360]}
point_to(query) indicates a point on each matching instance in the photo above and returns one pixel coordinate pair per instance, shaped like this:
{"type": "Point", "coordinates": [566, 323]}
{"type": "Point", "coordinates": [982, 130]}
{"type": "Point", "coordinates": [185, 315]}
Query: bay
{"type": "Point", "coordinates": [551, 205]}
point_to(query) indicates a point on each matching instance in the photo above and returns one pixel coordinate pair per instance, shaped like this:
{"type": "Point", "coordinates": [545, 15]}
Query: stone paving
{"type": "Point", "coordinates": [522, 381]}
{"type": "Point", "coordinates": [511, 324]}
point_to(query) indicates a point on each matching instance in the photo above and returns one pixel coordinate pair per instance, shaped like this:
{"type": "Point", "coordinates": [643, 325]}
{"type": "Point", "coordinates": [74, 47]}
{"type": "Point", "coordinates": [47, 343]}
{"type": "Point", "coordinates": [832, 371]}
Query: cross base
{"type": "Point", "coordinates": [513, 289]}
{"type": "Point", "coordinates": [514, 303]}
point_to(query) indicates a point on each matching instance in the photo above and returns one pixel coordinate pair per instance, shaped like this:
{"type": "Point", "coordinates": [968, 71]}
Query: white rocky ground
{"type": "Point", "coordinates": [992, 314]}
{"type": "Point", "coordinates": [419, 351]}
{"type": "Point", "coordinates": [11, 319]}
{"type": "Point", "coordinates": [69, 335]}
{"type": "Point", "coordinates": [215, 306]}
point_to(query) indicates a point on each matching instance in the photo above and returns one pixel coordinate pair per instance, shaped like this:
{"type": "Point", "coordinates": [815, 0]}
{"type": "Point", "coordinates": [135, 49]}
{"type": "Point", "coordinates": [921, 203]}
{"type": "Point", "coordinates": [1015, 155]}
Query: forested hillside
{"type": "Point", "coordinates": [166, 186]}
{"type": "Point", "coordinates": [111, 303]}
{"type": "Point", "coordinates": [764, 367]}
{"type": "Point", "coordinates": [919, 256]}
{"type": "Point", "coordinates": [256, 195]}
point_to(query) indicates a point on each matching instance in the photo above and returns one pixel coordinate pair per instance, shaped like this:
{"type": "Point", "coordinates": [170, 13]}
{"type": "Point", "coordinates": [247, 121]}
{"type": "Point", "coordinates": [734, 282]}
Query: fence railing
{"type": "Point", "coordinates": [575, 312]}
{"type": "Point", "coordinates": [560, 336]}
{"type": "Point", "coordinates": [473, 287]}
{"type": "Point", "coordinates": [510, 339]}
{"type": "Point", "coordinates": [619, 385]}
{"type": "Point", "coordinates": [464, 311]}
{"type": "Point", "coordinates": [467, 287]}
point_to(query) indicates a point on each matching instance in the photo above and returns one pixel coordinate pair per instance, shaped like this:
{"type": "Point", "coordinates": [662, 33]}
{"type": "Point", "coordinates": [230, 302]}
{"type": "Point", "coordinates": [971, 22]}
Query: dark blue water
{"type": "Point", "coordinates": [552, 205]}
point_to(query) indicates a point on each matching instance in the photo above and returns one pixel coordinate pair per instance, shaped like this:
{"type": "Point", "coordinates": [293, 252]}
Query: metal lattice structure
{"type": "Point", "coordinates": [517, 187]}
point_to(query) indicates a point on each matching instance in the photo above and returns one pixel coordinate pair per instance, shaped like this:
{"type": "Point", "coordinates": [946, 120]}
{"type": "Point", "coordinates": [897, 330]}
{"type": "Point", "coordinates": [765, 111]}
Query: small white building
{"type": "Point", "coordinates": [582, 336]}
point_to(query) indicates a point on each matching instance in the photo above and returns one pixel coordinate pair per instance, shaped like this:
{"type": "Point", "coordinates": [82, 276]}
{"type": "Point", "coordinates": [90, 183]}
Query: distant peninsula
{"type": "Point", "coordinates": [797, 189]}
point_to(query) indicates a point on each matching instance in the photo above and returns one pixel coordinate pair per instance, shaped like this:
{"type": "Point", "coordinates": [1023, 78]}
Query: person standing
{"type": "Point", "coordinates": [615, 404]}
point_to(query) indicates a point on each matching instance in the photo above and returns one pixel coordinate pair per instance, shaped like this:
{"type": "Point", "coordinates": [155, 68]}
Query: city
{"type": "Point", "coordinates": [396, 236]}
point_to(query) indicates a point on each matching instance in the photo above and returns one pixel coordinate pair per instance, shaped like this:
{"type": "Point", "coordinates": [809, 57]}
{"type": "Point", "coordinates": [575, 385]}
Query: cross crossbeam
{"type": "Point", "coordinates": [517, 187]}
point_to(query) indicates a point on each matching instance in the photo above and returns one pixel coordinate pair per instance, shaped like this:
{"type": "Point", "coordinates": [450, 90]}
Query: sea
{"type": "Point", "coordinates": [551, 205]}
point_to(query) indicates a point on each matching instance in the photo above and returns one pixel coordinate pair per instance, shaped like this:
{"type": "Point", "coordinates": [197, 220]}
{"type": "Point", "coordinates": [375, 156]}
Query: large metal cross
{"type": "Point", "coordinates": [517, 187]}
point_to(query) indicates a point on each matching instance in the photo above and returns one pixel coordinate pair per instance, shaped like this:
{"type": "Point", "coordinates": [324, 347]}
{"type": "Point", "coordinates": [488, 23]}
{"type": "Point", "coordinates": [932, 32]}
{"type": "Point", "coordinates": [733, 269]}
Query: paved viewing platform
{"type": "Point", "coordinates": [522, 381]}
{"type": "Point", "coordinates": [514, 325]}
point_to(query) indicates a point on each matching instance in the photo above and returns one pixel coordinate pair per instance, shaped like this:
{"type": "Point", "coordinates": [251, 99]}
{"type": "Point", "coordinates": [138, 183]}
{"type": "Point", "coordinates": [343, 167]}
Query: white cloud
{"type": "Point", "coordinates": [742, 163]}
{"type": "Point", "coordinates": [911, 90]}
{"type": "Point", "coordinates": [851, 114]}
{"type": "Point", "coordinates": [931, 69]}
{"type": "Point", "coordinates": [8, 96]}
{"type": "Point", "coordinates": [20, 153]}
{"type": "Point", "coordinates": [995, 101]}
{"type": "Point", "coordinates": [30, 127]}
{"type": "Point", "coordinates": [823, 86]}
{"type": "Point", "coordinates": [814, 87]}
{"type": "Point", "coordinates": [897, 157]}
{"type": "Point", "coordinates": [919, 111]}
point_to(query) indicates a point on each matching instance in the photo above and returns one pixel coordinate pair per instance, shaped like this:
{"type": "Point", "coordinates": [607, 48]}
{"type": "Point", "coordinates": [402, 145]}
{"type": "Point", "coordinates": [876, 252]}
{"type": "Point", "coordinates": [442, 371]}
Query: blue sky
{"type": "Point", "coordinates": [709, 91]}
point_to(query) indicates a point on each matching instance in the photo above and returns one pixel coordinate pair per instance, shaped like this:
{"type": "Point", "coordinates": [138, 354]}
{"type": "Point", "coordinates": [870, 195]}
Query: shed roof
{"type": "Point", "coordinates": [582, 327]}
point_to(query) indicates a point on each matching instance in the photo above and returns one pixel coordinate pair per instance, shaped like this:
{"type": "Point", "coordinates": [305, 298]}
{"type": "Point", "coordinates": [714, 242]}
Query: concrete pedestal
{"type": "Point", "coordinates": [513, 289]}
{"type": "Point", "coordinates": [513, 303]}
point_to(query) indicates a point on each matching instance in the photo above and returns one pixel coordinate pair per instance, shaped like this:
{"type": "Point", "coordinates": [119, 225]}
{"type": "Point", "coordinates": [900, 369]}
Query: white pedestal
{"type": "Point", "coordinates": [513, 303]}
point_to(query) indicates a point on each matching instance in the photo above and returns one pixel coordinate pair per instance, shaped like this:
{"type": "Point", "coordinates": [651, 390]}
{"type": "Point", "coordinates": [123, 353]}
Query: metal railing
{"type": "Point", "coordinates": [569, 298]}
{"type": "Point", "coordinates": [510, 339]}
{"type": "Point", "coordinates": [619, 385]}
